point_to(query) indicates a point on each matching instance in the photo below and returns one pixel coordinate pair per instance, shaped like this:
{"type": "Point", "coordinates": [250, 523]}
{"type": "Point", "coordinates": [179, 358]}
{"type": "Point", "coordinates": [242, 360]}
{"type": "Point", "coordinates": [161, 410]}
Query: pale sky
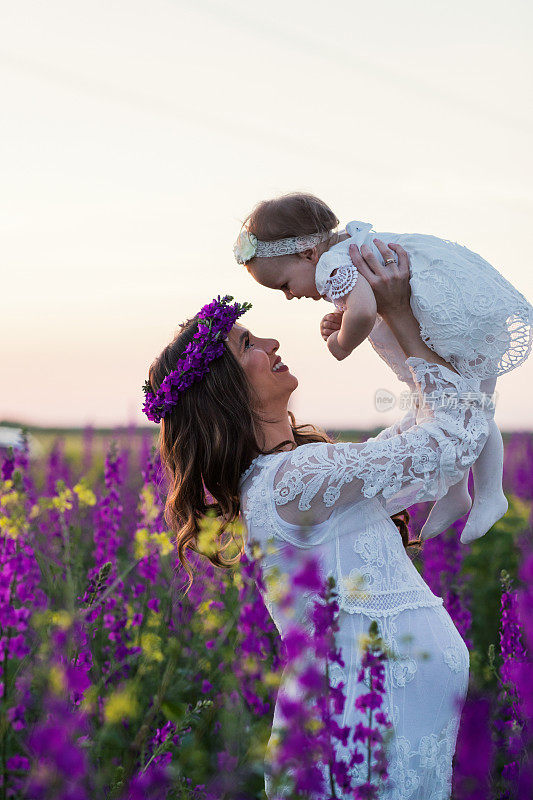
{"type": "Point", "coordinates": [137, 135]}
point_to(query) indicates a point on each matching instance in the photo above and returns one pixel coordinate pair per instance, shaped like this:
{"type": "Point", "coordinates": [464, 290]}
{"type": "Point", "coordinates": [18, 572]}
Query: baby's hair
{"type": "Point", "coordinates": [294, 214]}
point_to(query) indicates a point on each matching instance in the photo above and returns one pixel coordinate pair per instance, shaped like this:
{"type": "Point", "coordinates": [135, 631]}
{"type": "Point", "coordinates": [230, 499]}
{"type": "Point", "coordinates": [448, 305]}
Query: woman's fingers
{"type": "Point", "coordinates": [386, 253]}
{"type": "Point", "coordinates": [369, 266]}
{"type": "Point", "coordinates": [361, 264]}
{"type": "Point", "coordinates": [389, 282]}
{"type": "Point", "coordinates": [403, 258]}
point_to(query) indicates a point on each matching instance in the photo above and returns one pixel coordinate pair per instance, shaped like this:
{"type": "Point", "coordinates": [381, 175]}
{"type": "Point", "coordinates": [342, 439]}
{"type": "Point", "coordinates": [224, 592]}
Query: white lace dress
{"type": "Point", "coordinates": [336, 500]}
{"type": "Point", "coordinates": [467, 311]}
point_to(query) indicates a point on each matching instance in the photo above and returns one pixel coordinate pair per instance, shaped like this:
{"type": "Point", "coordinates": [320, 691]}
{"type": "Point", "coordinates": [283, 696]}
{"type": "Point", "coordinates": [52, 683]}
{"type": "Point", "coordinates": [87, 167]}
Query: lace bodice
{"type": "Point", "coordinates": [338, 498]}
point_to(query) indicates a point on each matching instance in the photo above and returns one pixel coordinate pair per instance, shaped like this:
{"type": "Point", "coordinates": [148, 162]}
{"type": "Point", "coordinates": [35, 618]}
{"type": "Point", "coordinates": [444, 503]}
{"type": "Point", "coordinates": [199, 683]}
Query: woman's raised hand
{"type": "Point", "coordinates": [389, 282]}
{"type": "Point", "coordinates": [330, 323]}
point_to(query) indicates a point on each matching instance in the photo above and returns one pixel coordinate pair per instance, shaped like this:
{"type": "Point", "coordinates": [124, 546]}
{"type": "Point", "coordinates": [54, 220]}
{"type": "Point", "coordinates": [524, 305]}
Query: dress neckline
{"type": "Point", "coordinates": [254, 462]}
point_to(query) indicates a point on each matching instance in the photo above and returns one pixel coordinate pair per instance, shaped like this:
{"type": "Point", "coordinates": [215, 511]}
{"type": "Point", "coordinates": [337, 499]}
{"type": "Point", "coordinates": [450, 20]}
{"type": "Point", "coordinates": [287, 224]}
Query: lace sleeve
{"type": "Point", "coordinates": [402, 425]}
{"type": "Point", "coordinates": [335, 275]}
{"type": "Point", "coordinates": [341, 283]}
{"type": "Point", "coordinates": [400, 466]}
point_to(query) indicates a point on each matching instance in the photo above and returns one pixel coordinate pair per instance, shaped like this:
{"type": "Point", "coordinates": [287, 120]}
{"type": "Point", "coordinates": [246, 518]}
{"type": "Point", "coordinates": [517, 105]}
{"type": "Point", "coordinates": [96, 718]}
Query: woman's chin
{"type": "Point", "coordinates": [293, 379]}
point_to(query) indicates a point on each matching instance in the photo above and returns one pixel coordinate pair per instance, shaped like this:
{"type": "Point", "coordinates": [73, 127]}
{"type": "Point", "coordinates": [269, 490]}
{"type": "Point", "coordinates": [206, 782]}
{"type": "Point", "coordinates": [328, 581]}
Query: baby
{"type": "Point", "coordinates": [467, 312]}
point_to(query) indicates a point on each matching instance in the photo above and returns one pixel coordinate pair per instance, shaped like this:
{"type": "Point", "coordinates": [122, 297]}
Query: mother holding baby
{"type": "Point", "coordinates": [221, 394]}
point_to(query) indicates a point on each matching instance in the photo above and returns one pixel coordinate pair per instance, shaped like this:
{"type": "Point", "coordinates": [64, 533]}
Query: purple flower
{"type": "Point", "coordinates": [8, 467]}
{"type": "Point", "coordinates": [215, 321]}
{"type": "Point", "coordinates": [152, 784]}
{"type": "Point", "coordinates": [474, 752]}
{"type": "Point", "coordinates": [309, 577]}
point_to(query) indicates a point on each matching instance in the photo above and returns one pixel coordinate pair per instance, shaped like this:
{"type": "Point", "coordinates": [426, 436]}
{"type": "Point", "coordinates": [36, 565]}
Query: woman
{"type": "Point", "coordinates": [222, 396]}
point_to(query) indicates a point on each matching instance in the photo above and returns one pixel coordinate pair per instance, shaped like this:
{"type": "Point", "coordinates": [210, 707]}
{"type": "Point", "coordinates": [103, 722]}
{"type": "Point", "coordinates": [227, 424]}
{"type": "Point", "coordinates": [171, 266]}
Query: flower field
{"type": "Point", "coordinates": [115, 684]}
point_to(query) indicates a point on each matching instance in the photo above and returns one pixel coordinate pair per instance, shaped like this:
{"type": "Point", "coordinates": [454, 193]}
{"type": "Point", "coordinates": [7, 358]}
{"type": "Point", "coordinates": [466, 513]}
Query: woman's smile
{"type": "Point", "coordinates": [279, 366]}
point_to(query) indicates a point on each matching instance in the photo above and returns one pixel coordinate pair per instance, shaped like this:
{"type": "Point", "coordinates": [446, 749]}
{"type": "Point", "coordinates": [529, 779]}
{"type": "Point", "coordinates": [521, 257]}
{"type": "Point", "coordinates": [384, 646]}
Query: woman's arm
{"type": "Point", "coordinates": [391, 288]}
{"type": "Point", "coordinates": [411, 466]}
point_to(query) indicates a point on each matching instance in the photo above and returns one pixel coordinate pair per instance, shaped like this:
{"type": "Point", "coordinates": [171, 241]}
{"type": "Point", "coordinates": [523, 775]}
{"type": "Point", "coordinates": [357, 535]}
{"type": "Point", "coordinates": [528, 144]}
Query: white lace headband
{"type": "Point", "coordinates": [248, 246]}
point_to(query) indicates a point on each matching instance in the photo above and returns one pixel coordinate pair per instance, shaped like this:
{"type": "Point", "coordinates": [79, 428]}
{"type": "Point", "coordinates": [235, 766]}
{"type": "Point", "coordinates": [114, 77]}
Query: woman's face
{"type": "Point", "coordinates": [270, 378]}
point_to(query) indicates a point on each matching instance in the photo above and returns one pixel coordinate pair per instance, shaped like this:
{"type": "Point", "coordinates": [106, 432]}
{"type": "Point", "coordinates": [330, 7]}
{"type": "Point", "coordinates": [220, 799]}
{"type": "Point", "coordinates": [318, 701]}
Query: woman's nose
{"type": "Point", "coordinates": [270, 345]}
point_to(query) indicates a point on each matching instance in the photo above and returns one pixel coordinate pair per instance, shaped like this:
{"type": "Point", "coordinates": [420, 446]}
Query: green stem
{"type": "Point", "coordinates": [331, 779]}
{"type": "Point", "coordinates": [68, 564]}
{"type": "Point", "coordinates": [84, 611]}
{"type": "Point", "coordinates": [4, 733]}
{"type": "Point", "coordinates": [3, 726]}
{"type": "Point", "coordinates": [142, 734]}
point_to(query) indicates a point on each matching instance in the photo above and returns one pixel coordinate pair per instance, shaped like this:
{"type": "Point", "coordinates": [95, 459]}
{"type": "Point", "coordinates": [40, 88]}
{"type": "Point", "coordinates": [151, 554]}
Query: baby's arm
{"type": "Point", "coordinates": [357, 321]}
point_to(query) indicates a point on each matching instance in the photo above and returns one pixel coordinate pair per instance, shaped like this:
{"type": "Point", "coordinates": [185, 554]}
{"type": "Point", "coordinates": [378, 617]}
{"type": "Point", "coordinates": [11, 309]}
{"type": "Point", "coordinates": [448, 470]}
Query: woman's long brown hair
{"type": "Point", "coordinates": [206, 443]}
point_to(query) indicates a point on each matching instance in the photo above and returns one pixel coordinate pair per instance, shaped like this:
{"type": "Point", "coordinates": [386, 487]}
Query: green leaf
{"type": "Point", "coordinates": [175, 712]}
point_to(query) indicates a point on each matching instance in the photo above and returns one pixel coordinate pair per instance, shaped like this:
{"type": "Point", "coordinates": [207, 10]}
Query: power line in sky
{"type": "Point", "coordinates": [322, 49]}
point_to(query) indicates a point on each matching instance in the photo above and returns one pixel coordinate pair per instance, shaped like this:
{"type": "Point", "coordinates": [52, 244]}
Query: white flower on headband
{"type": "Point", "coordinates": [245, 247]}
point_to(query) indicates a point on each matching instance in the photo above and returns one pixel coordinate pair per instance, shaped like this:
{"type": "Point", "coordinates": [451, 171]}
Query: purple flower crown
{"type": "Point", "coordinates": [215, 321]}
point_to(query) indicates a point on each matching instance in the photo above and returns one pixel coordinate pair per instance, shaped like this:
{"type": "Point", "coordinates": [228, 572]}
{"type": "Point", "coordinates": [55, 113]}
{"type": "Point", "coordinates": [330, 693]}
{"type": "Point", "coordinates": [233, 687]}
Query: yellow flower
{"type": "Point", "coordinates": [257, 553]}
{"type": "Point", "coordinates": [163, 542]}
{"type": "Point", "coordinates": [278, 585]}
{"type": "Point", "coordinates": [90, 696]}
{"type": "Point", "coordinates": [86, 497]}
{"type": "Point", "coordinates": [13, 527]}
{"type": "Point", "coordinates": [273, 744]}
{"type": "Point", "coordinates": [9, 500]}
{"type": "Point", "coordinates": [62, 619]}
{"type": "Point", "coordinates": [250, 665]}
{"type": "Point", "coordinates": [56, 677]}
{"type": "Point", "coordinates": [153, 618]}
{"type": "Point", "coordinates": [120, 705]}
{"type": "Point", "coordinates": [206, 539]}
{"type": "Point", "coordinates": [63, 501]}
{"type": "Point", "coordinates": [151, 646]}
{"type": "Point", "coordinates": [314, 725]}
{"type": "Point", "coordinates": [271, 547]}
{"type": "Point", "coordinates": [272, 679]}
{"type": "Point", "coordinates": [142, 537]}
{"type": "Point", "coordinates": [149, 507]}
{"type": "Point", "coordinates": [211, 620]}
{"type": "Point", "coordinates": [353, 586]}
{"type": "Point", "coordinates": [129, 614]}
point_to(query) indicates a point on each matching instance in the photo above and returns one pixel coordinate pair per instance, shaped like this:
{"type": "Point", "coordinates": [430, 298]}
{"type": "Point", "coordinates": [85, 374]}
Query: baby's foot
{"type": "Point", "coordinates": [445, 512]}
{"type": "Point", "coordinates": [485, 513]}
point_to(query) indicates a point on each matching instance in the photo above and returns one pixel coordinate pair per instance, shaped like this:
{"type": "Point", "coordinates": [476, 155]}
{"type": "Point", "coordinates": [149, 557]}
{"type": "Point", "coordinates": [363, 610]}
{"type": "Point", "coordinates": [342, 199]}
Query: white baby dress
{"type": "Point", "coordinates": [335, 501]}
{"type": "Point", "coordinates": [468, 313]}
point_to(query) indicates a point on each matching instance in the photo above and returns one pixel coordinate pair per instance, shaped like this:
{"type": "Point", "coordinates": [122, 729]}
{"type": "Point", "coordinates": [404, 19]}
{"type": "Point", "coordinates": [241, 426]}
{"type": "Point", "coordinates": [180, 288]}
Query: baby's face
{"type": "Point", "coordinates": [292, 275]}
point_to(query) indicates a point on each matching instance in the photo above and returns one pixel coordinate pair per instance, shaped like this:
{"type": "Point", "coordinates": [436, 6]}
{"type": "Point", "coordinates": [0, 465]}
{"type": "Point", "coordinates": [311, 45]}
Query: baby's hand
{"type": "Point", "coordinates": [330, 323]}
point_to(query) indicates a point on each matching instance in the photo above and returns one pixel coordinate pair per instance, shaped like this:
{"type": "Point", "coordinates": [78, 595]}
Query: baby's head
{"type": "Point", "coordinates": [287, 266]}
